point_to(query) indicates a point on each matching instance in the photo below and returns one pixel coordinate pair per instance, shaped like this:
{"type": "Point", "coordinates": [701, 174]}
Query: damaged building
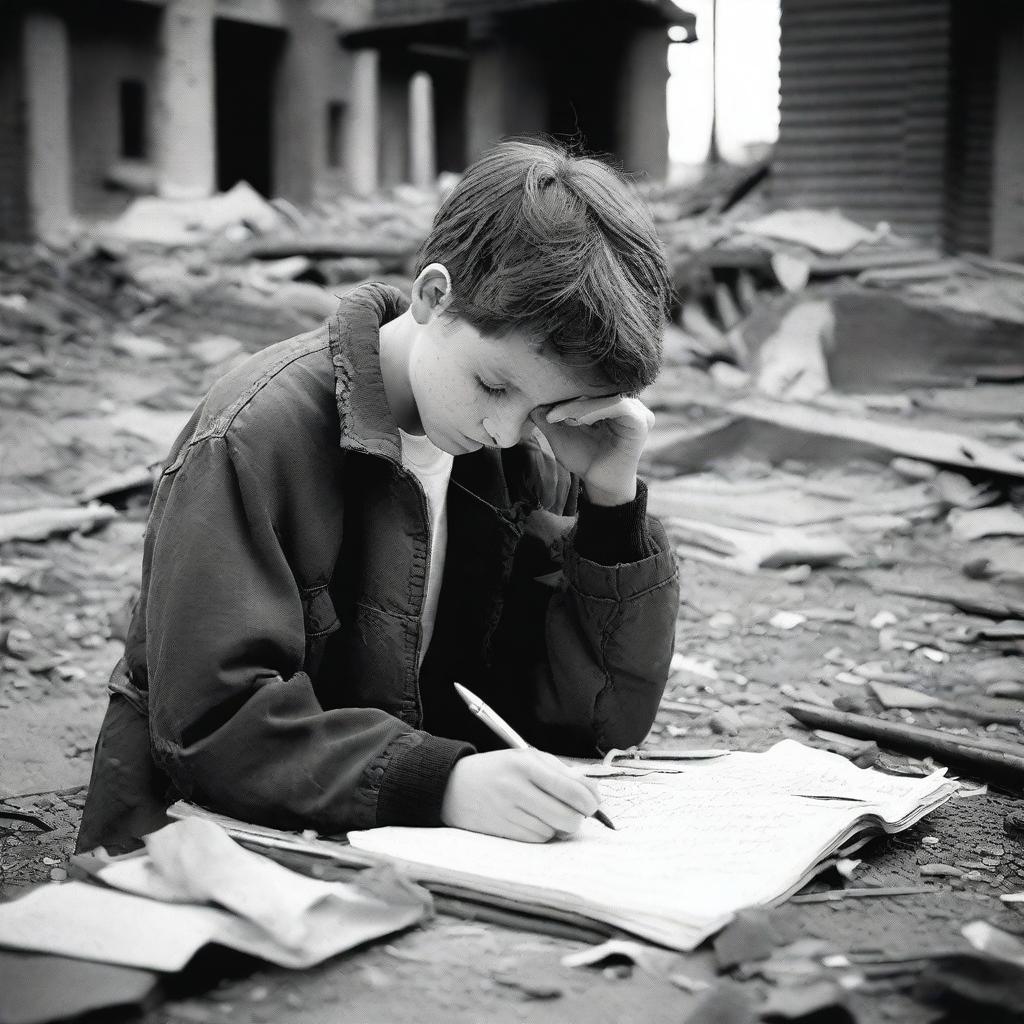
{"type": "Point", "coordinates": [594, 71]}
{"type": "Point", "coordinates": [906, 111]}
{"type": "Point", "coordinates": [101, 100]}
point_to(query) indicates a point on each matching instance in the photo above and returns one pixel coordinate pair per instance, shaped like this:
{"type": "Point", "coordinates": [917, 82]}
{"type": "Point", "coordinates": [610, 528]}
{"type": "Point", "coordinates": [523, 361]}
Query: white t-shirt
{"type": "Point", "coordinates": [433, 468]}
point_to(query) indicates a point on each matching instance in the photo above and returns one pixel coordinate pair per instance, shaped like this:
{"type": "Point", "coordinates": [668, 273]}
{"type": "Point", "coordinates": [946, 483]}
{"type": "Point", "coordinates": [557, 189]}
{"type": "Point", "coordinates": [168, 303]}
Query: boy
{"type": "Point", "coordinates": [358, 517]}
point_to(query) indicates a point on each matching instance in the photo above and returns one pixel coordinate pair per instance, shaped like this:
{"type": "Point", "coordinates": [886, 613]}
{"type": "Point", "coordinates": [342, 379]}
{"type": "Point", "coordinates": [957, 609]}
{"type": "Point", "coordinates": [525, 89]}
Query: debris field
{"type": "Point", "coordinates": [839, 459]}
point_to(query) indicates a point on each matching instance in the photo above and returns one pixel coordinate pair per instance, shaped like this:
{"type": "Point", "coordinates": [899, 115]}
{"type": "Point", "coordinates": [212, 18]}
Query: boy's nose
{"type": "Point", "coordinates": [503, 434]}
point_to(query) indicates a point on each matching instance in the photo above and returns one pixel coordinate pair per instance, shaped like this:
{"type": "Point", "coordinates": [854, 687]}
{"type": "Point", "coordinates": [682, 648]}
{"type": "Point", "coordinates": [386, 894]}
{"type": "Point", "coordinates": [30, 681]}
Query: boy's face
{"type": "Point", "coordinates": [472, 391]}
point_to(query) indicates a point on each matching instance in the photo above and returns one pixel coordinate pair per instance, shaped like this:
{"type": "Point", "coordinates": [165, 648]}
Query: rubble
{"type": "Point", "coordinates": [821, 481]}
{"type": "Point", "coordinates": [38, 524]}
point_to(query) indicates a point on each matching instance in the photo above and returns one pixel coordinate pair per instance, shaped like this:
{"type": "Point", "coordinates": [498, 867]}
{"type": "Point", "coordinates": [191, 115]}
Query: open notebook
{"type": "Point", "coordinates": [693, 844]}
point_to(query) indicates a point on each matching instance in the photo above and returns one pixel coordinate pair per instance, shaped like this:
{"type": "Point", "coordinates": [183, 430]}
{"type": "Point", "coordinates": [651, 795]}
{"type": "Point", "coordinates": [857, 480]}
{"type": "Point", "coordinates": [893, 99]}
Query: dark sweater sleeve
{"type": "Point", "coordinates": [614, 534]}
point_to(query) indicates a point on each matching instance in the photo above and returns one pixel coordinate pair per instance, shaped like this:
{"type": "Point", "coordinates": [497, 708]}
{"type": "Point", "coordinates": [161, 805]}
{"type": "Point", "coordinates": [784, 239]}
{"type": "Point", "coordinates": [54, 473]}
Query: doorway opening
{"type": "Point", "coordinates": [247, 59]}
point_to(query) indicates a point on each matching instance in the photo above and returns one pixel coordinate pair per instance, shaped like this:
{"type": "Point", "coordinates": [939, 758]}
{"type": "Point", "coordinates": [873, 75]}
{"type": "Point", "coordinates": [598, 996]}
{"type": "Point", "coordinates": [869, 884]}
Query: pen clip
{"type": "Point", "coordinates": [832, 796]}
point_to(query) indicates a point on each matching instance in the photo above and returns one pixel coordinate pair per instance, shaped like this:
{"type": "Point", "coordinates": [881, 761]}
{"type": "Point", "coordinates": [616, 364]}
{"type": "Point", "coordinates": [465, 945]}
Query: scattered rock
{"type": "Point", "coordinates": [725, 722]}
{"type": "Point", "coordinates": [617, 972]}
{"type": "Point", "coordinates": [807, 1001]}
{"type": "Point", "coordinates": [941, 870]}
{"type": "Point", "coordinates": [533, 985]}
{"type": "Point", "coordinates": [1013, 825]}
{"type": "Point", "coordinates": [139, 347]}
{"type": "Point", "coordinates": [787, 620]}
{"type": "Point", "coordinates": [215, 348]}
{"type": "Point", "coordinates": [752, 935]}
{"type": "Point", "coordinates": [846, 703]}
{"type": "Point", "coordinates": [733, 699]}
{"type": "Point", "coordinates": [990, 850]}
{"type": "Point", "coordinates": [727, 1003]}
{"type": "Point", "coordinates": [850, 678]}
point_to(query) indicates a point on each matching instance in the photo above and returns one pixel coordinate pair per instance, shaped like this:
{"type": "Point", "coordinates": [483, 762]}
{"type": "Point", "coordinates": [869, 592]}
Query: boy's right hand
{"type": "Point", "coordinates": [518, 794]}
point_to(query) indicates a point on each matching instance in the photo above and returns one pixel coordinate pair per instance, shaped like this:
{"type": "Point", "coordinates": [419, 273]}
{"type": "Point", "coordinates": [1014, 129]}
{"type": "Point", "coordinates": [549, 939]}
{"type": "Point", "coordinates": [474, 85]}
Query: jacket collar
{"type": "Point", "coordinates": [365, 417]}
{"type": "Point", "coordinates": [366, 421]}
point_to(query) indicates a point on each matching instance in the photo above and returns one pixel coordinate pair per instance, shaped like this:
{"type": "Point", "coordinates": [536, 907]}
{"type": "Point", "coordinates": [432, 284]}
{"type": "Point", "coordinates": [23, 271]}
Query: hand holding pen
{"type": "Point", "coordinates": [521, 793]}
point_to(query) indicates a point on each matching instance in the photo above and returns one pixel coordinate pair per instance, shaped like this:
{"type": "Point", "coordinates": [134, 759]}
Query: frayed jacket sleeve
{"type": "Point", "coordinates": [234, 719]}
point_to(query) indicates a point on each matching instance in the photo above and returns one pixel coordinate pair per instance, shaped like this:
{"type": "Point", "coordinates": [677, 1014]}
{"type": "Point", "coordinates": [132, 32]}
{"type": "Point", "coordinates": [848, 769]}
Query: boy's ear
{"type": "Point", "coordinates": [430, 291]}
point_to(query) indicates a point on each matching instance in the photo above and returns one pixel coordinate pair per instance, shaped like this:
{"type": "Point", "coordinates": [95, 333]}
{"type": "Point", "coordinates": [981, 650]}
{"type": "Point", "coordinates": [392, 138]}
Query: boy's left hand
{"type": "Point", "coordinates": [600, 440]}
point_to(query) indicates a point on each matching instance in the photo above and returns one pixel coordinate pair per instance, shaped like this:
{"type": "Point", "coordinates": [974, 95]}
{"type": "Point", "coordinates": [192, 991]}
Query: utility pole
{"type": "Point", "coordinates": [714, 156]}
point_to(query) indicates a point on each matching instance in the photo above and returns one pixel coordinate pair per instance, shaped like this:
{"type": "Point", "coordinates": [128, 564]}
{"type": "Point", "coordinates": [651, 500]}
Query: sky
{"type": "Point", "coordinates": [748, 80]}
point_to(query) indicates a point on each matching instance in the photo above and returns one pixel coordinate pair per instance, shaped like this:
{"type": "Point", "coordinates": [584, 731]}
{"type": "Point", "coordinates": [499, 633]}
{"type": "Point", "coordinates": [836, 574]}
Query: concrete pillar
{"type": "Point", "coordinates": [300, 103]}
{"type": "Point", "coordinates": [485, 107]}
{"type": "Point", "coordinates": [362, 152]}
{"type": "Point", "coordinates": [47, 85]}
{"type": "Point", "coordinates": [186, 117]}
{"type": "Point", "coordinates": [524, 109]}
{"type": "Point", "coordinates": [393, 120]}
{"type": "Point", "coordinates": [422, 140]}
{"type": "Point", "coordinates": [1008, 143]}
{"type": "Point", "coordinates": [642, 126]}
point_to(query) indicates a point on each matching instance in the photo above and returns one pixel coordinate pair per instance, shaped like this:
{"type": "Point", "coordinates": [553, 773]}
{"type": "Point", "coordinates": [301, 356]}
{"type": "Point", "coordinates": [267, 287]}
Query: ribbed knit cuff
{"type": "Point", "coordinates": [412, 790]}
{"type": "Point", "coordinates": [614, 534]}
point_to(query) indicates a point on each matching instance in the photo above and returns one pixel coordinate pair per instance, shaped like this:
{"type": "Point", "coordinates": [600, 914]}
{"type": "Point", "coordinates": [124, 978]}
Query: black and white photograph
{"type": "Point", "coordinates": [512, 511]}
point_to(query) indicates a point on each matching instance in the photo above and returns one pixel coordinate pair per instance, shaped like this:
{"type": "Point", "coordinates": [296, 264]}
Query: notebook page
{"type": "Point", "coordinates": [693, 845]}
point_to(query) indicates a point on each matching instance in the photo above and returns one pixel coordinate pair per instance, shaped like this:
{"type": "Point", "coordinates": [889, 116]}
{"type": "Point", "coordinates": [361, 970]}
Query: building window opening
{"type": "Point", "coordinates": [335, 134]}
{"type": "Point", "coordinates": [133, 119]}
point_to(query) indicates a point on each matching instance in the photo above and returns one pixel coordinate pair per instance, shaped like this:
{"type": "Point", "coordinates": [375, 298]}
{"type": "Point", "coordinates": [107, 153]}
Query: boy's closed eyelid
{"type": "Point", "coordinates": [491, 388]}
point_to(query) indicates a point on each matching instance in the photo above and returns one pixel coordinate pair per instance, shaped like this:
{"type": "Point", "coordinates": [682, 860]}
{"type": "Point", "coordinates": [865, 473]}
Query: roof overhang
{"type": "Point", "coordinates": [397, 29]}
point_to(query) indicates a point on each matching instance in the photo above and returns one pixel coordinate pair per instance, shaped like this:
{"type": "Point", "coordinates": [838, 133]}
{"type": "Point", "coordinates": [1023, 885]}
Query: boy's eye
{"type": "Point", "coordinates": [491, 389]}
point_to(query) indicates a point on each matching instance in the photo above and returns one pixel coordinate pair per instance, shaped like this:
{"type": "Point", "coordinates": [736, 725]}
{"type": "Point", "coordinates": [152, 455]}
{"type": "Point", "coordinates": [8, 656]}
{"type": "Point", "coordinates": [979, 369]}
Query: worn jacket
{"type": "Point", "coordinates": [271, 667]}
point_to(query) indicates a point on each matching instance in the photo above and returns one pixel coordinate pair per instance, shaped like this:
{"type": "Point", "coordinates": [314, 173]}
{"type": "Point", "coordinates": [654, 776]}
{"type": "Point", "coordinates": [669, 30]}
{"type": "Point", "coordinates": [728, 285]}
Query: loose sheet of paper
{"type": "Point", "coordinates": [195, 861]}
{"type": "Point", "coordinates": [85, 921]}
{"type": "Point", "coordinates": [690, 848]}
{"type": "Point", "coordinates": [161, 918]}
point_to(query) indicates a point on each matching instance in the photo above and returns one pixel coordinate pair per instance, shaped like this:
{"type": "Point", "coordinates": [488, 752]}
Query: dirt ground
{"type": "Point", "coordinates": [64, 603]}
{"type": "Point", "coordinates": [465, 971]}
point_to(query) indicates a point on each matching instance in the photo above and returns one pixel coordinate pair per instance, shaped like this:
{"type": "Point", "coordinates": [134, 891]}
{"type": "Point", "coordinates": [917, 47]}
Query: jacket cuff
{"type": "Point", "coordinates": [415, 779]}
{"type": "Point", "coordinates": [624, 581]}
{"type": "Point", "coordinates": [614, 534]}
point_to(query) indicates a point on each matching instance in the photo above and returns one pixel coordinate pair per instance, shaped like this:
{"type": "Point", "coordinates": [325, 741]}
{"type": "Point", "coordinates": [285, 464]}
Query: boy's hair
{"type": "Point", "coordinates": [559, 247]}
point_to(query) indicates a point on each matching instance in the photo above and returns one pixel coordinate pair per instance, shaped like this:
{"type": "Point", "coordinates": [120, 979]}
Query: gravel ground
{"type": "Point", "coordinates": [461, 971]}
{"type": "Point", "coordinates": [63, 611]}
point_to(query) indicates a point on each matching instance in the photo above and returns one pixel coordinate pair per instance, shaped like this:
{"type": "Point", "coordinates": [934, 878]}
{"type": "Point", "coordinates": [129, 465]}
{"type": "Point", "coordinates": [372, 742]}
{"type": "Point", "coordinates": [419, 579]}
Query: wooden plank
{"type": "Point", "coordinates": [939, 446]}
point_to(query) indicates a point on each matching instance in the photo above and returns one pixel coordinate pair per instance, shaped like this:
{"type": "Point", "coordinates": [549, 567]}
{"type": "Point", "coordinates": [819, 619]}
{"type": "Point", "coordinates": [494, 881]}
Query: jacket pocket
{"type": "Point", "coordinates": [320, 620]}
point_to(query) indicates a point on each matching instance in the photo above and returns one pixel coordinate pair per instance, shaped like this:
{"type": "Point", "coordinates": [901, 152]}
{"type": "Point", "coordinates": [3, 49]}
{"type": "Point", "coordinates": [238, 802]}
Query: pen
{"type": "Point", "coordinates": [504, 731]}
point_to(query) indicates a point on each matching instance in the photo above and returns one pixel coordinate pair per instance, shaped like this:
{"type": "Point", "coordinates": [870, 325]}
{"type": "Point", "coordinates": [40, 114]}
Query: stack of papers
{"type": "Point", "coordinates": [693, 845]}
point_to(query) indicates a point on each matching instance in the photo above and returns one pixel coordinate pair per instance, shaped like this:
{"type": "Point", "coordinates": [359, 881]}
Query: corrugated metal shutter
{"type": "Point", "coordinates": [968, 224]}
{"type": "Point", "coordinates": [864, 110]}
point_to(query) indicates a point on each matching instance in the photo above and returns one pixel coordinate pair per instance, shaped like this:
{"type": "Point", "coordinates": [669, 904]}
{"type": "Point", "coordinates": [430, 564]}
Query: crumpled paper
{"type": "Point", "coordinates": [194, 885]}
